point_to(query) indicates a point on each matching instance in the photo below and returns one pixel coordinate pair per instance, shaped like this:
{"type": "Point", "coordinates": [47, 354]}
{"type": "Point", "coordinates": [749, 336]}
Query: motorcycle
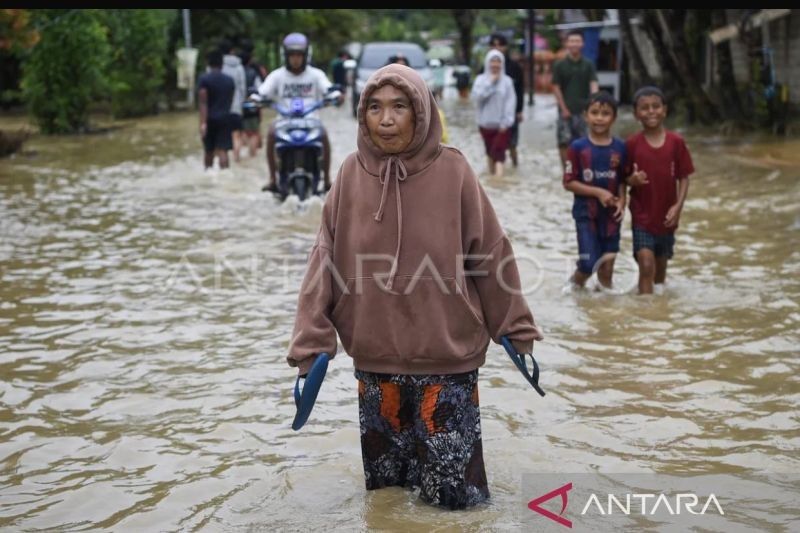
{"type": "Point", "coordinates": [298, 144]}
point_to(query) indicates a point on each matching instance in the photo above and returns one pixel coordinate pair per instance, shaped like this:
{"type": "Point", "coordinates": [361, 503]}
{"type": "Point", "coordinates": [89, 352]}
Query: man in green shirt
{"type": "Point", "coordinates": [574, 79]}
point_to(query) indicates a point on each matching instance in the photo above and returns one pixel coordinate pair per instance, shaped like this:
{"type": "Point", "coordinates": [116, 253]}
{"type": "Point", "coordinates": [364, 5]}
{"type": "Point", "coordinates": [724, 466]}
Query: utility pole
{"type": "Point", "coordinates": [187, 36]}
{"type": "Point", "coordinates": [531, 62]}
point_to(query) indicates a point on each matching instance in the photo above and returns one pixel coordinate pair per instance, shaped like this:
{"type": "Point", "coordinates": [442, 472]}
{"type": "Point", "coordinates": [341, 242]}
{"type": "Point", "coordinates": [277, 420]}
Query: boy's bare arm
{"type": "Point", "coordinates": [638, 178]}
{"type": "Point", "coordinates": [203, 104]}
{"type": "Point", "coordinates": [683, 190]}
{"type": "Point", "coordinates": [581, 189]}
{"type": "Point", "coordinates": [674, 213]}
{"type": "Point", "coordinates": [619, 212]}
{"type": "Point", "coordinates": [560, 101]}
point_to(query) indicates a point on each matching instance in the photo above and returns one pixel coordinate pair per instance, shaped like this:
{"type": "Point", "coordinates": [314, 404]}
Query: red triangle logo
{"type": "Point", "coordinates": [534, 505]}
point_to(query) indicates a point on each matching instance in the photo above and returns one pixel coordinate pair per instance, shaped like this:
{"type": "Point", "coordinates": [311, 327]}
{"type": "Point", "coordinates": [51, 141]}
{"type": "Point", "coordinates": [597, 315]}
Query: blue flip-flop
{"type": "Point", "coordinates": [519, 362]}
{"type": "Point", "coordinates": [313, 380]}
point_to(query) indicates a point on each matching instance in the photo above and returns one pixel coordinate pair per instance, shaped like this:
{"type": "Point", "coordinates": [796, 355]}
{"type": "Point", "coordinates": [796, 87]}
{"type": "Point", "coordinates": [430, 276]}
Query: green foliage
{"type": "Point", "coordinates": [65, 70]}
{"type": "Point", "coordinates": [127, 57]}
{"type": "Point", "coordinates": [389, 30]}
{"type": "Point", "coordinates": [490, 20]}
{"type": "Point", "coordinates": [328, 29]}
{"type": "Point", "coordinates": [138, 43]}
{"type": "Point", "coordinates": [16, 32]}
{"type": "Point", "coordinates": [549, 32]}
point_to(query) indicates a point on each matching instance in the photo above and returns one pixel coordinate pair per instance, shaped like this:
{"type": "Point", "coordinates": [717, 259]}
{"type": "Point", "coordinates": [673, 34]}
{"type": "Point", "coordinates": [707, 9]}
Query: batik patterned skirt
{"type": "Point", "coordinates": [423, 432]}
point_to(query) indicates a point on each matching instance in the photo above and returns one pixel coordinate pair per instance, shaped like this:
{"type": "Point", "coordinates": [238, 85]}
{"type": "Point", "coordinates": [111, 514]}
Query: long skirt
{"type": "Point", "coordinates": [423, 432]}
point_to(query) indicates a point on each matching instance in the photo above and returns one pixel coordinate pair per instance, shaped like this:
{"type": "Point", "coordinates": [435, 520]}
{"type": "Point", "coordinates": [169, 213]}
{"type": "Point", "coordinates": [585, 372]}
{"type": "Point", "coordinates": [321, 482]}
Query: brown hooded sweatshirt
{"type": "Point", "coordinates": [410, 266]}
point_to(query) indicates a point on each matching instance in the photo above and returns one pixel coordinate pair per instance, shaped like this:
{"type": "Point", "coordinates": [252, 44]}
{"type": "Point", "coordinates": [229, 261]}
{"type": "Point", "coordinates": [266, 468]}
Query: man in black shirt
{"type": "Point", "coordinates": [215, 94]}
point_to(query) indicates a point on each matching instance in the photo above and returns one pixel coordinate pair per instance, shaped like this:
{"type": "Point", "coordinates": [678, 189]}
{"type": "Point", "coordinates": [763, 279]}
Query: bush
{"type": "Point", "coordinates": [138, 40]}
{"type": "Point", "coordinates": [64, 72]}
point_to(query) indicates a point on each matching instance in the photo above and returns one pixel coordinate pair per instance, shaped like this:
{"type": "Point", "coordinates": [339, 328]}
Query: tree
{"type": "Point", "coordinates": [328, 30]}
{"type": "Point", "coordinates": [465, 20]}
{"type": "Point", "coordinates": [16, 31]}
{"type": "Point", "coordinates": [17, 36]}
{"type": "Point", "coordinates": [64, 72]}
{"type": "Point", "coordinates": [667, 29]}
{"type": "Point", "coordinates": [138, 50]}
{"type": "Point", "coordinates": [638, 71]}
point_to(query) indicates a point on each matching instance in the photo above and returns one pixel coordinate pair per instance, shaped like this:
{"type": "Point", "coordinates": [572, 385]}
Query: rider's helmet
{"type": "Point", "coordinates": [295, 42]}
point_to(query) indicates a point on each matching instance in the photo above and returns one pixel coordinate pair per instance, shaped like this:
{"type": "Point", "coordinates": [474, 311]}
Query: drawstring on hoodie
{"type": "Point", "coordinates": [400, 174]}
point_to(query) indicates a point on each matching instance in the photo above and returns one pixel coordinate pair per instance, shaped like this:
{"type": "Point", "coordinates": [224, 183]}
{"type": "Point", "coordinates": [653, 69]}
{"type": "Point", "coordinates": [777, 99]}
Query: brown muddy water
{"type": "Point", "coordinates": [146, 305]}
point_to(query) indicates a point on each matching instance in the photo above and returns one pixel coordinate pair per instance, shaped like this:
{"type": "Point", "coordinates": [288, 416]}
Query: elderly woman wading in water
{"type": "Point", "coordinates": [414, 272]}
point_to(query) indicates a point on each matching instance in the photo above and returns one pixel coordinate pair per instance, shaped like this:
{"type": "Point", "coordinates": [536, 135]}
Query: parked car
{"type": "Point", "coordinates": [376, 54]}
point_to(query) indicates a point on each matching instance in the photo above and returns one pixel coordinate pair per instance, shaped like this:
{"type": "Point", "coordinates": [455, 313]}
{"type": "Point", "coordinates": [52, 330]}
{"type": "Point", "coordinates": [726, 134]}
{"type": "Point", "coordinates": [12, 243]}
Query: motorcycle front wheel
{"type": "Point", "coordinates": [300, 188]}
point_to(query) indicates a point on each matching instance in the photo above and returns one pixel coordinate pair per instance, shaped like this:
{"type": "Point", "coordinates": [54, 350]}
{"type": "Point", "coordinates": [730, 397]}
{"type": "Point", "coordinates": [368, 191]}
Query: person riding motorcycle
{"type": "Point", "coordinates": [296, 79]}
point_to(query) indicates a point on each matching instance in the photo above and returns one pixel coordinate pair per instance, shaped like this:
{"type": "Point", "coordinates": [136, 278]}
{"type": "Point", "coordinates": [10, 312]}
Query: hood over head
{"type": "Point", "coordinates": [423, 150]}
{"type": "Point", "coordinates": [425, 145]}
{"type": "Point", "coordinates": [231, 60]}
{"type": "Point", "coordinates": [492, 54]}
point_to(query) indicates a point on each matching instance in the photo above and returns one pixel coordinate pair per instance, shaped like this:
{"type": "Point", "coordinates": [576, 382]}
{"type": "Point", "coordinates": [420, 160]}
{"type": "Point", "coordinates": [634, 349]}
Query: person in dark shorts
{"type": "Point", "coordinates": [232, 66]}
{"type": "Point", "coordinates": [462, 74]}
{"type": "Point", "coordinates": [574, 79]}
{"type": "Point", "coordinates": [661, 164]}
{"type": "Point", "coordinates": [251, 116]}
{"type": "Point", "coordinates": [215, 93]}
{"type": "Point", "coordinates": [419, 332]}
{"type": "Point", "coordinates": [595, 173]}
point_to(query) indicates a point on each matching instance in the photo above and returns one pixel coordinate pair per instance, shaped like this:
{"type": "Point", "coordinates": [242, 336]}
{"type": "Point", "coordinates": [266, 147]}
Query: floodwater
{"type": "Point", "coordinates": [146, 306]}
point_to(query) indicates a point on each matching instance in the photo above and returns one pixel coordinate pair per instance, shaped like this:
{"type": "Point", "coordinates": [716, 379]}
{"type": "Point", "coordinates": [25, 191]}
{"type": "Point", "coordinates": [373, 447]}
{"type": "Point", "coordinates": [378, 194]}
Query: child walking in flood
{"type": "Point", "coordinates": [594, 173]}
{"type": "Point", "coordinates": [661, 165]}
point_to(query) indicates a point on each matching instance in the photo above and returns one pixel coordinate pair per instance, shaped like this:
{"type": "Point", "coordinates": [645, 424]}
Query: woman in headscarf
{"type": "Point", "coordinates": [496, 101]}
{"type": "Point", "coordinates": [413, 271]}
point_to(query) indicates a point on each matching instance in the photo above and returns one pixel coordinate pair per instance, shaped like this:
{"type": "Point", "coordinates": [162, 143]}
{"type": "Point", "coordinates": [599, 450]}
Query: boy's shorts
{"type": "Point", "coordinates": [592, 246]}
{"type": "Point", "coordinates": [423, 432]}
{"type": "Point", "coordinates": [569, 129]}
{"type": "Point", "coordinates": [236, 122]}
{"type": "Point", "coordinates": [251, 124]}
{"type": "Point", "coordinates": [218, 134]}
{"type": "Point", "coordinates": [661, 245]}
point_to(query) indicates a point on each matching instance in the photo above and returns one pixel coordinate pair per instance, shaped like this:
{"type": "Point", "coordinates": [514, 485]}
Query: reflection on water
{"type": "Point", "coordinates": [145, 308]}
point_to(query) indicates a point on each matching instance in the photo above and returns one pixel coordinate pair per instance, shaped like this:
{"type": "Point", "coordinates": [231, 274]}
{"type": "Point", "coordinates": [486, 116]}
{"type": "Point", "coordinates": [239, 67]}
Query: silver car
{"type": "Point", "coordinates": [375, 55]}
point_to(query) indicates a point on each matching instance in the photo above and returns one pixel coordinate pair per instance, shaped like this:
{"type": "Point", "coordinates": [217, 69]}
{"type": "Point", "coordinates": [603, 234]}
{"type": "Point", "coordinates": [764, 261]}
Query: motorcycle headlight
{"type": "Point", "coordinates": [314, 133]}
{"type": "Point", "coordinates": [284, 135]}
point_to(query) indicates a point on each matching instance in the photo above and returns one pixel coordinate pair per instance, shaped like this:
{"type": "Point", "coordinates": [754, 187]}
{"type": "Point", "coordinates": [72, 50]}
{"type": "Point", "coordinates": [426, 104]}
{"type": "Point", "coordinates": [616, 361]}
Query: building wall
{"type": "Point", "coordinates": [784, 35]}
{"type": "Point", "coordinates": [739, 53]}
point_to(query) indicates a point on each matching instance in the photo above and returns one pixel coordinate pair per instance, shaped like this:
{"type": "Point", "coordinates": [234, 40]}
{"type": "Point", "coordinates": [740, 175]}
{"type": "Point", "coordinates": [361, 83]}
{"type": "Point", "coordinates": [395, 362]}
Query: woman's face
{"type": "Point", "coordinates": [390, 119]}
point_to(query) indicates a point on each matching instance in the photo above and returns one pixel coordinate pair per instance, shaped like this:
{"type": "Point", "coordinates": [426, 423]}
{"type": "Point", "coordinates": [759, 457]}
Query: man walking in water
{"type": "Point", "coordinates": [232, 66]}
{"type": "Point", "coordinates": [574, 79]}
{"type": "Point", "coordinates": [215, 93]}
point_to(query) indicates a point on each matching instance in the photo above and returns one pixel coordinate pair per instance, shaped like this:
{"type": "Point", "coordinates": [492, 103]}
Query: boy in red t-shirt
{"type": "Point", "coordinates": [661, 165]}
